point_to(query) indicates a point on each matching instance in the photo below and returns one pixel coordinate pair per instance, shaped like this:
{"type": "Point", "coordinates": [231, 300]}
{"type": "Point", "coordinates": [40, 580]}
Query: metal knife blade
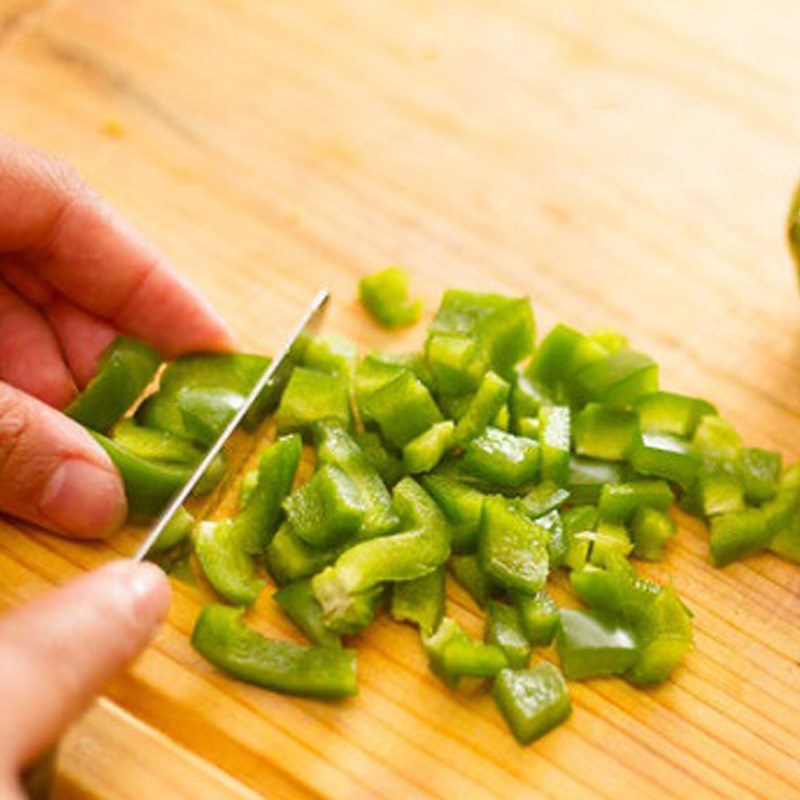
{"type": "Point", "coordinates": [278, 371]}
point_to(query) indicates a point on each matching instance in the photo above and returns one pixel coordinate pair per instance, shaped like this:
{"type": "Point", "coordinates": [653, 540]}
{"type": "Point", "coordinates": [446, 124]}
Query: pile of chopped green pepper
{"type": "Point", "coordinates": [483, 458]}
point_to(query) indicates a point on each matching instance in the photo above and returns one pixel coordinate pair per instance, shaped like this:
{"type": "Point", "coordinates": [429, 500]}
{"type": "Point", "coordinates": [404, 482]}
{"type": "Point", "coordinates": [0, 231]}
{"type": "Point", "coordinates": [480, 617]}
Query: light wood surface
{"type": "Point", "coordinates": [624, 163]}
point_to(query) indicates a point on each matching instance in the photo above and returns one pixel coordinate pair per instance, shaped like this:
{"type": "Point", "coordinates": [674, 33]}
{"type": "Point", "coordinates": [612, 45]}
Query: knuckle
{"type": "Point", "coordinates": [15, 423]}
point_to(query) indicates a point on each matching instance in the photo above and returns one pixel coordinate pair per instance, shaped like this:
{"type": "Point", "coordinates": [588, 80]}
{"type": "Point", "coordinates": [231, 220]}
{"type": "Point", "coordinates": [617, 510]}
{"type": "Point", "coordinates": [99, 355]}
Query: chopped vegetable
{"type": "Point", "coordinates": [502, 458]}
{"type": "Point", "coordinates": [311, 396]}
{"type": "Point", "coordinates": [420, 601]}
{"type": "Point", "coordinates": [504, 629]}
{"type": "Point", "coordinates": [385, 295]}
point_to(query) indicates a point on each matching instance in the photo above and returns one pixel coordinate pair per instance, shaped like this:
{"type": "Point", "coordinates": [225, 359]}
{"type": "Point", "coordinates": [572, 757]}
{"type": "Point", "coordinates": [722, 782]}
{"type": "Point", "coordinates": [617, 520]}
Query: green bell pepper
{"type": "Point", "coordinates": [538, 616]}
{"type": "Point", "coordinates": [554, 440]}
{"type": "Point", "coordinates": [543, 498]}
{"type": "Point", "coordinates": [667, 412]}
{"type": "Point", "coordinates": [561, 353]}
{"type": "Point", "coordinates": [462, 505]}
{"type": "Point", "coordinates": [504, 629]}
{"type": "Point", "coordinates": [385, 295]}
{"type": "Point", "coordinates": [124, 371]}
{"type": "Point", "coordinates": [592, 644]}
{"type": "Point", "coordinates": [453, 654]}
{"type": "Point", "coordinates": [470, 577]}
{"type": "Point", "coordinates": [483, 408]}
{"type": "Point", "coordinates": [532, 701]}
{"type": "Point", "coordinates": [761, 471]}
{"type": "Point", "coordinates": [620, 502]}
{"type": "Point", "coordinates": [289, 558]}
{"type": "Point", "coordinates": [605, 432]}
{"type": "Point", "coordinates": [502, 459]}
{"type": "Point", "coordinates": [587, 477]}
{"type": "Point", "coordinates": [738, 534]}
{"type": "Point", "coordinates": [299, 604]}
{"type": "Point", "coordinates": [618, 379]}
{"type": "Point", "coordinates": [389, 466]}
{"type": "Point", "coordinates": [663, 455]}
{"type": "Point", "coordinates": [651, 530]}
{"type": "Point", "coordinates": [330, 354]}
{"type": "Point", "coordinates": [311, 396]}
{"type": "Point", "coordinates": [176, 532]}
{"type": "Point", "coordinates": [420, 601]}
{"type": "Point", "coordinates": [425, 451]}
{"type": "Point", "coordinates": [222, 638]}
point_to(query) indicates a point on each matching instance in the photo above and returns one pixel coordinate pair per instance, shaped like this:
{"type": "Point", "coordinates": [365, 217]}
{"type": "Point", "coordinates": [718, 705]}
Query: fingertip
{"type": "Point", "coordinates": [151, 591]}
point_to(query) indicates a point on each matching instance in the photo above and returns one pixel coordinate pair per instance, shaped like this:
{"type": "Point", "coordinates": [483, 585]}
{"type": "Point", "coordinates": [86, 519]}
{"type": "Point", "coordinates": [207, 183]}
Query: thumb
{"type": "Point", "coordinates": [56, 652]}
{"type": "Point", "coordinates": [52, 472]}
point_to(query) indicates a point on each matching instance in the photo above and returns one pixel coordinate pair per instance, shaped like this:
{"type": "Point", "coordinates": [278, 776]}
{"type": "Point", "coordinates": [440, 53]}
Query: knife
{"type": "Point", "coordinates": [277, 374]}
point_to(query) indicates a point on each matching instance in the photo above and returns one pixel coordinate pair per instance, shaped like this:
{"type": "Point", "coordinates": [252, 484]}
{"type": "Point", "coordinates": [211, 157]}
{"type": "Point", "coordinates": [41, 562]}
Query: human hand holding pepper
{"type": "Point", "coordinates": [72, 276]}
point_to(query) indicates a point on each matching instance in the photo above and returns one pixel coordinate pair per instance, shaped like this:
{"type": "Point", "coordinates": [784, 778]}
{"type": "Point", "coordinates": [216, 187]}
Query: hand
{"type": "Point", "coordinates": [56, 652]}
{"type": "Point", "coordinates": [72, 276]}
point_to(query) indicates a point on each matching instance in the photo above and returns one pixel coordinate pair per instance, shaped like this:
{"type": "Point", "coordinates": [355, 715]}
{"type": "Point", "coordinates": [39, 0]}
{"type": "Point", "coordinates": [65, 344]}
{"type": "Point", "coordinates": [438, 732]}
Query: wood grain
{"type": "Point", "coordinates": [622, 163]}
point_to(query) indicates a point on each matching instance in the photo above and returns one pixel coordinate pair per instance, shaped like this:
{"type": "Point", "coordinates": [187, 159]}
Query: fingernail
{"type": "Point", "coordinates": [151, 591]}
{"type": "Point", "coordinates": [83, 499]}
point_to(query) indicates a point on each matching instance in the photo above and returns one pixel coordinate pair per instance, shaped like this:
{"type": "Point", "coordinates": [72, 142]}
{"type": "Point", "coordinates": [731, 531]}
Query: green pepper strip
{"type": "Point", "coordinates": [222, 638]}
{"type": "Point", "coordinates": [502, 458]}
{"type": "Point", "coordinates": [453, 654]}
{"type": "Point", "coordinates": [504, 629]}
{"type": "Point", "coordinates": [538, 616]}
{"type": "Point", "coordinates": [554, 439]}
{"type": "Point", "coordinates": [125, 369]}
{"type": "Point", "coordinates": [420, 601]}
{"type": "Point", "coordinates": [289, 558]}
{"type": "Point", "coordinates": [299, 604]}
{"type": "Point", "coordinates": [424, 452]}
{"type": "Point", "coordinates": [483, 408]}
{"type": "Point", "coordinates": [311, 396]}
{"type": "Point", "coordinates": [471, 578]}
{"type": "Point", "coordinates": [461, 504]}
{"type": "Point", "coordinates": [532, 701]}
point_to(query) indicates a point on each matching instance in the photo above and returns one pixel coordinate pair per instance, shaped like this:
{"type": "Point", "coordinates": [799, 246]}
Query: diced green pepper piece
{"type": "Point", "coordinates": [557, 543]}
{"type": "Point", "coordinates": [385, 295]}
{"type": "Point", "coordinates": [355, 613]}
{"type": "Point", "coordinates": [578, 520]}
{"type": "Point", "coordinates": [453, 654]}
{"type": "Point", "coordinates": [532, 701]}
{"type": "Point", "coordinates": [289, 558]}
{"type": "Point", "coordinates": [389, 466]}
{"type": "Point", "coordinates": [717, 440]}
{"type": "Point", "coordinates": [471, 578]}
{"type": "Point", "coordinates": [543, 498]}
{"type": "Point", "coordinates": [608, 540]}
{"type": "Point", "coordinates": [462, 505]}
{"type": "Point", "coordinates": [502, 459]}
{"type": "Point", "coordinates": [334, 446]}
{"type": "Point", "coordinates": [591, 644]}
{"type": "Point", "coordinates": [311, 396]}
{"type": "Point", "coordinates": [403, 409]}
{"type": "Point", "coordinates": [504, 629]}
{"type": "Point", "coordinates": [786, 542]}
{"type": "Point", "coordinates": [399, 557]}
{"type": "Point", "coordinates": [512, 549]}
{"type": "Point", "coordinates": [651, 530]}
{"type": "Point", "coordinates": [554, 441]}
{"type": "Point", "coordinates": [260, 515]}
{"type": "Point", "coordinates": [527, 427]}
{"type": "Point", "coordinates": [563, 351]}
{"type": "Point", "coordinates": [206, 412]}
{"type": "Point", "coordinates": [326, 510]}
{"type": "Point", "coordinates": [667, 412]}
{"type": "Point", "coordinates": [605, 432]}
{"type": "Point", "coordinates": [222, 638]}
{"type": "Point", "coordinates": [484, 406]}
{"type": "Point", "coordinates": [619, 502]}
{"type": "Point", "coordinates": [783, 507]}
{"type": "Point", "coordinates": [420, 601]}
{"type": "Point", "coordinates": [738, 534]}
{"type": "Point", "coordinates": [527, 397]}
{"type": "Point", "coordinates": [229, 569]}
{"type": "Point", "coordinates": [155, 445]}
{"type": "Point", "coordinates": [665, 456]}
{"type": "Point", "coordinates": [176, 532]}
{"type": "Point", "coordinates": [619, 379]}
{"type": "Point", "coordinates": [609, 338]}
{"type": "Point", "coordinates": [538, 615]}
{"type": "Point", "coordinates": [299, 604]}
{"type": "Point", "coordinates": [615, 590]}
{"type": "Point", "coordinates": [719, 493]}
{"type": "Point", "coordinates": [330, 354]}
{"type": "Point", "coordinates": [425, 451]}
{"type": "Point", "coordinates": [456, 362]}
{"type": "Point", "coordinates": [760, 470]}
{"type": "Point", "coordinates": [588, 476]}
{"type": "Point", "coordinates": [124, 371]}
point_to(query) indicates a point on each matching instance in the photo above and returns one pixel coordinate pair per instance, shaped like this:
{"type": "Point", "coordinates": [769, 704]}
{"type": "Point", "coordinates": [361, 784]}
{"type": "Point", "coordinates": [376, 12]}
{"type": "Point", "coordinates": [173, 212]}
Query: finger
{"type": "Point", "coordinates": [24, 281]}
{"type": "Point", "coordinates": [84, 336]}
{"type": "Point", "coordinates": [53, 473]}
{"type": "Point", "coordinates": [97, 260]}
{"type": "Point", "coordinates": [56, 652]}
{"type": "Point", "coordinates": [30, 356]}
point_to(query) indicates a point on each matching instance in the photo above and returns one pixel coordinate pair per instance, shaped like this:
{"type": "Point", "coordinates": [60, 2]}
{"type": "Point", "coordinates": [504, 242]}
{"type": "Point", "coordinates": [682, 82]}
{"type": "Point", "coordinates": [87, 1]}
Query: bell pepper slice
{"type": "Point", "coordinates": [483, 408]}
{"type": "Point", "coordinates": [124, 371]}
{"type": "Point", "coordinates": [355, 613]}
{"type": "Point", "coordinates": [738, 534]}
{"type": "Point", "coordinates": [389, 466]}
{"type": "Point", "coordinates": [760, 471]}
{"type": "Point", "coordinates": [605, 432]}
{"type": "Point", "coordinates": [402, 408]}
{"type": "Point", "coordinates": [592, 644]}
{"type": "Point", "coordinates": [385, 295]}
{"type": "Point", "coordinates": [563, 351]}
{"type": "Point", "coordinates": [617, 589]}
{"type": "Point", "coordinates": [663, 455]}
{"type": "Point", "coordinates": [502, 459]}
{"type": "Point", "coordinates": [331, 354]}
{"type": "Point", "coordinates": [205, 413]}
{"type": "Point", "coordinates": [609, 339]}
{"type": "Point", "coordinates": [607, 541]}
{"type": "Point", "coordinates": [149, 485]}
{"type": "Point", "coordinates": [717, 440]}
{"type": "Point", "coordinates": [538, 616]}
{"type": "Point", "coordinates": [532, 701]}
{"type": "Point", "coordinates": [504, 629]}
{"type": "Point", "coordinates": [453, 654]}
{"type": "Point", "coordinates": [222, 638]}
{"type": "Point", "coordinates": [299, 604]}
{"type": "Point", "coordinates": [154, 445]}
{"type": "Point", "coordinates": [176, 532]}
{"type": "Point", "coordinates": [618, 379]}
{"type": "Point", "coordinates": [260, 515]}
{"type": "Point", "coordinates": [398, 557]}
{"type": "Point", "coordinates": [527, 396]}
{"type": "Point", "coordinates": [620, 502]}
{"type": "Point", "coordinates": [668, 412]}
{"type": "Point", "coordinates": [462, 505]}
{"type": "Point", "coordinates": [469, 576]}
{"type": "Point", "coordinates": [325, 510]}
{"type": "Point", "coordinates": [651, 530]}
{"type": "Point", "coordinates": [289, 558]}
{"type": "Point", "coordinates": [425, 451]}
{"type": "Point", "coordinates": [512, 549]}
{"type": "Point", "coordinates": [229, 569]}
{"type": "Point", "coordinates": [554, 441]}
{"type": "Point", "coordinates": [557, 543]}
{"type": "Point", "coordinates": [334, 446]}
{"type": "Point", "coordinates": [578, 520]}
{"type": "Point", "coordinates": [543, 498]}
{"type": "Point", "coordinates": [420, 601]}
{"type": "Point", "coordinates": [588, 476]}
{"type": "Point", "coordinates": [311, 396]}
{"type": "Point", "coordinates": [456, 363]}
{"type": "Point", "coordinates": [786, 542]}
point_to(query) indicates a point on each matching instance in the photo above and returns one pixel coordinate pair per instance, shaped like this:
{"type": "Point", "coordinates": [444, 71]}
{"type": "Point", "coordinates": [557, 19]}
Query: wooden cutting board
{"type": "Point", "coordinates": [623, 163]}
